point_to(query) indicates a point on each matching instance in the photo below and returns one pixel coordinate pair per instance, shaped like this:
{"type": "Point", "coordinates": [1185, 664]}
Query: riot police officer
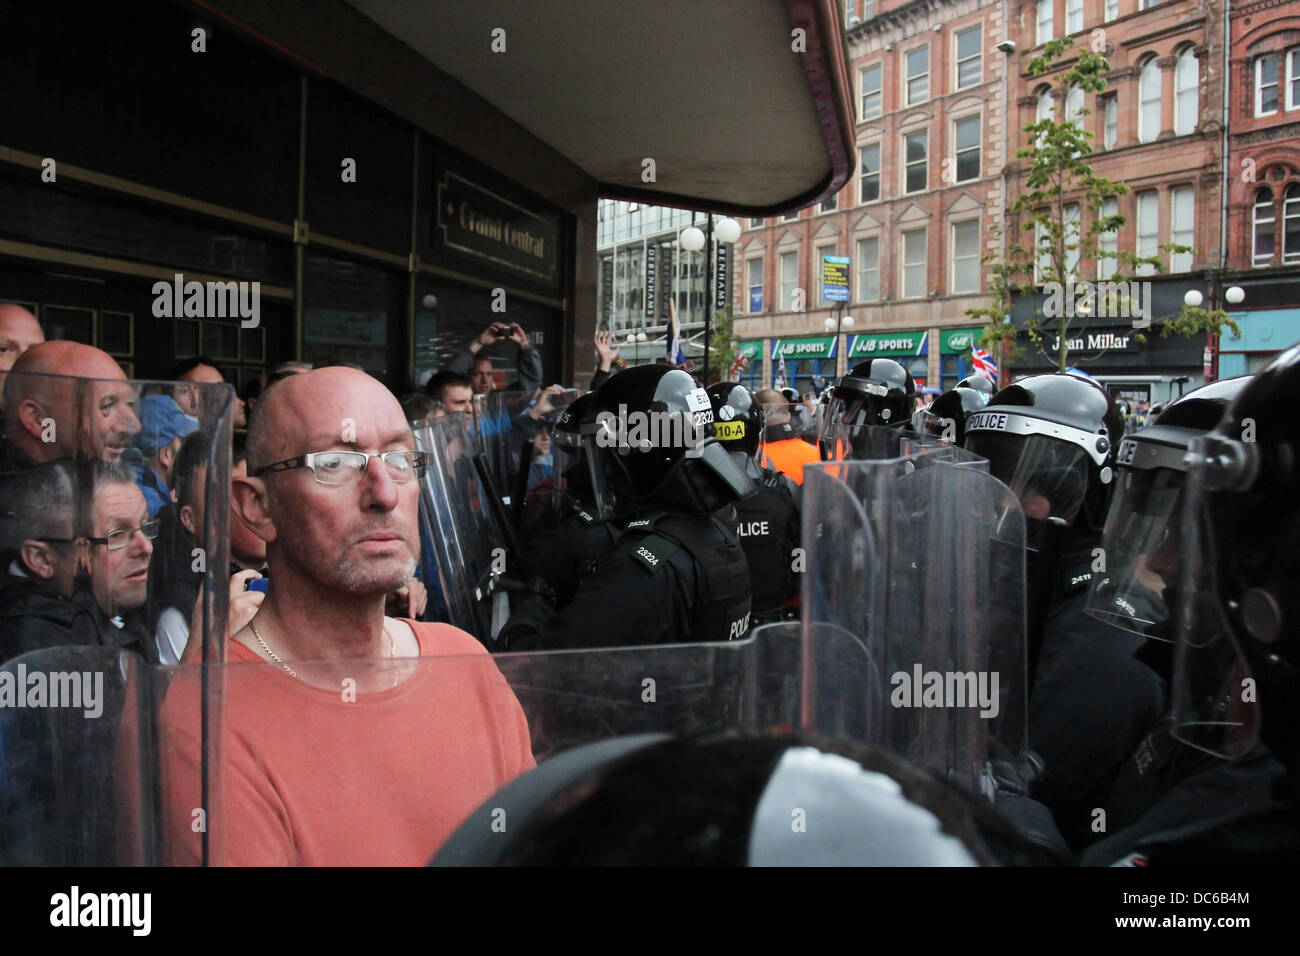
{"type": "Point", "coordinates": [678, 573]}
{"type": "Point", "coordinates": [581, 531]}
{"type": "Point", "coordinates": [878, 391]}
{"type": "Point", "coordinates": [1236, 689]}
{"type": "Point", "coordinates": [768, 520]}
{"type": "Point", "coordinates": [1052, 440]}
{"type": "Point", "coordinates": [945, 417]}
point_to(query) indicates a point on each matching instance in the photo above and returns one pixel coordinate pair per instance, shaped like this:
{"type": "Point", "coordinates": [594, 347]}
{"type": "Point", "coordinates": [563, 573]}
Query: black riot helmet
{"type": "Point", "coordinates": [652, 800]}
{"type": "Point", "coordinates": [877, 391]}
{"type": "Point", "coordinates": [579, 482]}
{"type": "Point", "coordinates": [654, 439]}
{"type": "Point", "coordinates": [1052, 440]}
{"type": "Point", "coordinates": [981, 383]}
{"type": "Point", "coordinates": [945, 418]}
{"type": "Point", "coordinates": [737, 418]}
{"type": "Point", "coordinates": [1142, 541]}
{"type": "Point", "coordinates": [1237, 661]}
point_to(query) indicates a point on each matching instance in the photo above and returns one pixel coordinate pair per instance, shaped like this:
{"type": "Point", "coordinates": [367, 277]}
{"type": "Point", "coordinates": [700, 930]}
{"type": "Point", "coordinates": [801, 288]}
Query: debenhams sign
{"type": "Point", "coordinates": [477, 222]}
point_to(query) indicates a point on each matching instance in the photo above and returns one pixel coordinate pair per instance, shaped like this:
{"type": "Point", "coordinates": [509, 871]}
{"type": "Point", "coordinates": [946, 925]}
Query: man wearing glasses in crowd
{"type": "Point", "coordinates": [343, 747]}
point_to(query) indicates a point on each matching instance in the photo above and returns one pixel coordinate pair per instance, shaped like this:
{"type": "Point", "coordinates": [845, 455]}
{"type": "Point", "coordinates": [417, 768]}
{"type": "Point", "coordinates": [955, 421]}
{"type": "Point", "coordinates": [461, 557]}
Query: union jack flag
{"type": "Point", "coordinates": [984, 364]}
{"type": "Point", "coordinates": [738, 367]}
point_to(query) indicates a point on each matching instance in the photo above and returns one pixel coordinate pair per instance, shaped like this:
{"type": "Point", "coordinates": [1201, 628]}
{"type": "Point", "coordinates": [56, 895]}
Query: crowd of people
{"type": "Point", "coordinates": [117, 498]}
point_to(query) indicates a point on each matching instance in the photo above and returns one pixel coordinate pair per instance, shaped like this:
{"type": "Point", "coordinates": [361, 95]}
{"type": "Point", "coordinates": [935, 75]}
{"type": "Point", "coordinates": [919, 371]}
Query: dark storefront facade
{"type": "Point", "coordinates": [128, 156]}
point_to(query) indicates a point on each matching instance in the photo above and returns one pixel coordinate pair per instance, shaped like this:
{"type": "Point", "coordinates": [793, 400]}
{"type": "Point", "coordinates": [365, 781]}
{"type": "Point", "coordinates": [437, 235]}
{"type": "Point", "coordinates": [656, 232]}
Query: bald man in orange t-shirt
{"type": "Point", "coordinates": [350, 738]}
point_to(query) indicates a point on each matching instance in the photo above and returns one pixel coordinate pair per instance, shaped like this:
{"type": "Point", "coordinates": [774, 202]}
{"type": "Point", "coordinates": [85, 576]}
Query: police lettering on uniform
{"type": "Point", "coordinates": [677, 573]}
{"type": "Point", "coordinates": [768, 522]}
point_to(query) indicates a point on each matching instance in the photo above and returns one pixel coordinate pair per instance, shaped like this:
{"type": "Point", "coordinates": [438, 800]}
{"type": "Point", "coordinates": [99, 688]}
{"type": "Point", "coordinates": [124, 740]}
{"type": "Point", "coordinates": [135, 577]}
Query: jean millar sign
{"type": "Point", "coordinates": [475, 221]}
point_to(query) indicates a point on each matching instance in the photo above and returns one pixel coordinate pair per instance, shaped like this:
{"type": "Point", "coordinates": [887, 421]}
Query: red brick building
{"type": "Point", "coordinates": [1263, 208]}
{"type": "Point", "coordinates": [1157, 127]}
{"type": "Point", "coordinates": [929, 101]}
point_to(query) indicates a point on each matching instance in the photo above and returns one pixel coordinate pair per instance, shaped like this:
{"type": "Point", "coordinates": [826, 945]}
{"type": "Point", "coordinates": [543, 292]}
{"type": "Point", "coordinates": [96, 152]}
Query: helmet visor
{"type": "Point", "coordinates": [926, 422]}
{"type": "Point", "coordinates": [1141, 546]}
{"type": "Point", "coordinates": [1049, 476]}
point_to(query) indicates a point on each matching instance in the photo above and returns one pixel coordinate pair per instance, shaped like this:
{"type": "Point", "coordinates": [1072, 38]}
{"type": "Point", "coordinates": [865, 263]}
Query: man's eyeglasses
{"type": "Point", "coordinates": [346, 467]}
{"type": "Point", "coordinates": [115, 540]}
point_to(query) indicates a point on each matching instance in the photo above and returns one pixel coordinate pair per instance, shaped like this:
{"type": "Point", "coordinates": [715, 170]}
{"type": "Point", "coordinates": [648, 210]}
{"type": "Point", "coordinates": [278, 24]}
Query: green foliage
{"type": "Point", "coordinates": [1059, 174]}
{"type": "Point", "coordinates": [724, 345]}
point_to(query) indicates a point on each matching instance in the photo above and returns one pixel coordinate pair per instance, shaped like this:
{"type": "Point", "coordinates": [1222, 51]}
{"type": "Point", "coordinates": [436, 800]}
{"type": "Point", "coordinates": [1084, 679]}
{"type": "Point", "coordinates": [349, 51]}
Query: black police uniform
{"type": "Point", "coordinates": [767, 524]}
{"type": "Point", "coordinates": [1091, 703]}
{"type": "Point", "coordinates": [671, 578]}
{"type": "Point", "coordinates": [565, 555]}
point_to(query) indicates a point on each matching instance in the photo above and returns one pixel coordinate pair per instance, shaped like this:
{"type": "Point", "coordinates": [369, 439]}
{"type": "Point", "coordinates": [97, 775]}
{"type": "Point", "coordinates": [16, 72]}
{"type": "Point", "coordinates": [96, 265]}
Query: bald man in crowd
{"type": "Point", "coordinates": [50, 414]}
{"type": "Point", "coordinates": [340, 692]}
{"type": "Point", "coordinates": [19, 331]}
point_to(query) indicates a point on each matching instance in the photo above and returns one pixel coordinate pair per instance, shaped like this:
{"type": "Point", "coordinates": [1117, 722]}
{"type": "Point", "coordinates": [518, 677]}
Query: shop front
{"type": "Point", "coordinates": [909, 349]}
{"type": "Point", "coordinates": [804, 364]}
{"type": "Point", "coordinates": [955, 362]}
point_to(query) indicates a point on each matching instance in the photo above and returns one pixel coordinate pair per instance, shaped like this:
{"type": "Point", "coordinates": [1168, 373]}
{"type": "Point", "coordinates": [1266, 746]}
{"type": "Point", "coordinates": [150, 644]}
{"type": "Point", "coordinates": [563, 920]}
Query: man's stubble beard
{"type": "Point", "coordinates": [345, 575]}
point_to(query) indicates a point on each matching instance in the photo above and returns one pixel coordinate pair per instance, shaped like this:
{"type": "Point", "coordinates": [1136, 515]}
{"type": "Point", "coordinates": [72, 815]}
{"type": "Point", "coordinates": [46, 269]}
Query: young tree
{"type": "Point", "coordinates": [724, 345]}
{"type": "Point", "coordinates": [1059, 180]}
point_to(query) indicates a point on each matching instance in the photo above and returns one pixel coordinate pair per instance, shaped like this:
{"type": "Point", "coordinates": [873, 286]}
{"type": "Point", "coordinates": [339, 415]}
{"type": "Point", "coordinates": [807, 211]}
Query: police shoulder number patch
{"type": "Point", "coordinates": [652, 551]}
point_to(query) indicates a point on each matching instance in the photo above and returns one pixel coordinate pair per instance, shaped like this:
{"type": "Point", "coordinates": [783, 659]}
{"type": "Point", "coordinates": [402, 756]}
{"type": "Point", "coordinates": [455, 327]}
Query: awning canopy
{"type": "Point", "coordinates": [714, 93]}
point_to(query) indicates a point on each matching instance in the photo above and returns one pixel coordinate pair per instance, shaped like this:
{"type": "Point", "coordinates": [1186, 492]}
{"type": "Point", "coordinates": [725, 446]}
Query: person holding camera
{"type": "Point", "coordinates": [472, 363]}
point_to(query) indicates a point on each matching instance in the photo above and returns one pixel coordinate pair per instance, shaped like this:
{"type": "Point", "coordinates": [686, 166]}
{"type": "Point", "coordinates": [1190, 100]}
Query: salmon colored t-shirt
{"type": "Point", "coordinates": [313, 779]}
{"type": "Point", "coordinates": [790, 455]}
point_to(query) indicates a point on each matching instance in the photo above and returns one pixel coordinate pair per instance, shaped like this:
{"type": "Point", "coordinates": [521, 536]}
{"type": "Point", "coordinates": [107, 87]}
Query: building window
{"type": "Point", "coordinates": [789, 279]}
{"type": "Point", "coordinates": [870, 77]}
{"type": "Point", "coordinates": [970, 57]}
{"type": "Point", "coordinates": [1112, 10]}
{"type": "Point", "coordinates": [790, 215]}
{"type": "Point", "coordinates": [1108, 241]}
{"type": "Point", "coordinates": [1291, 225]}
{"type": "Point", "coordinates": [1070, 238]}
{"type": "Point", "coordinates": [914, 261]}
{"type": "Point", "coordinates": [1045, 10]}
{"type": "Point", "coordinates": [1266, 84]}
{"type": "Point", "coordinates": [1263, 221]}
{"type": "Point", "coordinates": [1043, 111]}
{"type": "Point", "coordinates": [755, 223]}
{"type": "Point", "coordinates": [966, 137]}
{"type": "Point", "coordinates": [918, 75]}
{"type": "Point", "coordinates": [754, 281]}
{"type": "Point", "coordinates": [1073, 16]}
{"type": "Point", "coordinates": [915, 149]}
{"type": "Point", "coordinates": [1074, 105]}
{"type": "Point", "coordinates": [1182, 231]}
{"type": "Point", "coordinates": [1110, 121]}
{"type": "Point", "coordinates": [1042, 253]}
{"type": "Point", "coordinates": [1186, 93]}
{"type": "Point", "coordinates": [1147, 4]}
{"type": "Point", "coordinates": [1148, 229]}
{"type": "Point", "coordinates": [1149, 102]}
{"type": "Point", "coordinates": [869, 270]}
{"type": "Point", "coordinates": [1293, 79]}
{"type": "Point", "coordinates": [966, 256]}
{"type": "Point", "coordinates": [830, 202]}
{"type": "Point", "coordinates": [869, 180]}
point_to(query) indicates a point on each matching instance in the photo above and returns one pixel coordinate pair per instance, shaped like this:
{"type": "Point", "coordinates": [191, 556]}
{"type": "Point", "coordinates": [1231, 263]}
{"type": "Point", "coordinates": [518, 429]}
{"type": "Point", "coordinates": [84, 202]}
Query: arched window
{"type": "Point", "coordinates": [1074, 105]}
{"type": "Point", "coordinates": [1187, 80]}
{"type": "Point", "coordinates": [1263, 220]}
{"type": "Point", "coordinates": [1044, 109]}
{"type": "Point", "coordinates": [1291, 225]}
{"type": "Point", "coordinates": [1149, 102]}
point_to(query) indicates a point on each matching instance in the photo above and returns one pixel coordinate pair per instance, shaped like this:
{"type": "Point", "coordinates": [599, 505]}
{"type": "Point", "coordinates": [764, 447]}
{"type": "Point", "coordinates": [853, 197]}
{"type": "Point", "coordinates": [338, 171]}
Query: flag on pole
{"type": "Point", "coordinates": [738, 367]}
{"type": "Point", "coordinates": [984, 364]}
{"type": "Point", "coordinates": [780, 372]}
{"type": "Point", "coordinates": [675, 353]}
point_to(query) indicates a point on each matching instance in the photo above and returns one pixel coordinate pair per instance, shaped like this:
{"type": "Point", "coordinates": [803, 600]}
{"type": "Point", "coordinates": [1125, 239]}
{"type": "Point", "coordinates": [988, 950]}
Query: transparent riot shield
{"type": "Point", "coordinates": [924, 565]}
{"type": "Point", "coordinates": [377, 762]}
{"type": "Point", "coordinates": [114, 504]}
{"type": "Point", "coordinates": [468, 547]}
{"type": "Point", "coordinates": [504, 434]}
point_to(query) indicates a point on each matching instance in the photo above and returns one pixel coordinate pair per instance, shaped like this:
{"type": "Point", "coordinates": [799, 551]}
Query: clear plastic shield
{"type": "Point", "coordinates": [925, 567]}
{"type": "Point", "coordinates": [505, 437]}
{"type": "Point", "coordinates": [468, 548]}
{"type": "Point", "coordinates": [115, 550]}
{"type": "Point", "coordinates": [377, 762]}
{"type": "Point", "coordinates": [839, 442]}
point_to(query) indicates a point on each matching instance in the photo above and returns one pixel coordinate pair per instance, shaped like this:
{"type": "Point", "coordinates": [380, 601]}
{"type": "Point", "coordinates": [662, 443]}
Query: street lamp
{"type": "Point", "coordinates": [840, 320]}
{"type": "Point", "coordinates": [1193, 299]}
{"type": "Point", "coordinates": [693, 240]}
{"type": "Point", "coordinates": [1235, 295]}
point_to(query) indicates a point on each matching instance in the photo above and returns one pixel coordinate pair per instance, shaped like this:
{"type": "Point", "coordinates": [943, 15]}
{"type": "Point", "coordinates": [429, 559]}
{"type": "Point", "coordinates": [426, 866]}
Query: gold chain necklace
{"type": "Point", "coordinates": [392, 652]}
